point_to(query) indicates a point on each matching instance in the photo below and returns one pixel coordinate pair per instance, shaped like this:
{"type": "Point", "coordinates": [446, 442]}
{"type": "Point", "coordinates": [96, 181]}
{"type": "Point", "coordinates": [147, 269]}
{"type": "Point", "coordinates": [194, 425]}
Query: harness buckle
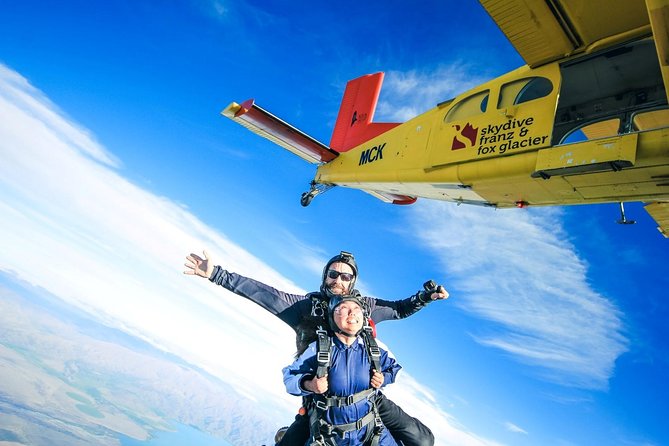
{"type": "Point", "coordinates": [349, 400]}
{"type": "Point", "coordinates": [378, 424]}
{"type": "Point", "coordinates": [375, 351]}
{"type": "Point", "coordinates": [318, 441]}
{"type": "Point", "coordinates": [321, 405]}
{"type": "Point", "coordinates": [323, 357]}
{"type": "Point", "coordinates": [325, 430]}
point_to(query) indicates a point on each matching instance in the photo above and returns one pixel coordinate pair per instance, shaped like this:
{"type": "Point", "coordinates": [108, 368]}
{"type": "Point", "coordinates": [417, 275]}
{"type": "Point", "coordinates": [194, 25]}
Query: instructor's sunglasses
{"type": "Point", "coordinates": [346, 277]}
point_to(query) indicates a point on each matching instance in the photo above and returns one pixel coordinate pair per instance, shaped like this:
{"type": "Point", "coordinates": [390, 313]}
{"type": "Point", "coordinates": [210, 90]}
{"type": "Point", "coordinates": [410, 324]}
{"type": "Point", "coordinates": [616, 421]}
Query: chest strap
{"type": "Point", "coordinates": [371, 417]}
{"type": "Point", "coordinates": [323, 403]}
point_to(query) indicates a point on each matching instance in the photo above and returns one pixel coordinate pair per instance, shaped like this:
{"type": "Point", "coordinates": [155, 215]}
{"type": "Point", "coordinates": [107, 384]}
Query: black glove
{"type": "Point", "coordinates": [429, 288]}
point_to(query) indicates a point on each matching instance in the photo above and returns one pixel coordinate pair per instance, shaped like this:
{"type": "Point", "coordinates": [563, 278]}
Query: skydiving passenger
{"type": "Point", "coordinates": [343, 383]}
{"type": "Point", "coordinates": [305, 313]}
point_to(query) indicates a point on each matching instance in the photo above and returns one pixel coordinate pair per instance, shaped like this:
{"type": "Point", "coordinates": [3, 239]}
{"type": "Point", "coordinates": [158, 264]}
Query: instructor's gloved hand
{"type": "Point", "coordinates": [432, 291]}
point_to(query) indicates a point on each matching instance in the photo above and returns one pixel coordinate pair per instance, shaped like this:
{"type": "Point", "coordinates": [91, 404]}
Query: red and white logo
{"type": "Point", "coordinates": [465, 138]}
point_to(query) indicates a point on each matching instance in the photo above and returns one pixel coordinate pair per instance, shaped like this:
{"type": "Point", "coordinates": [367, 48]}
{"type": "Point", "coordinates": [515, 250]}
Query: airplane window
{"type": "Point", "coordinates": [524, 90]}
{"type": "Point", "coordinates": [536, 88]}
{"type": "Point", "coordinates": [601, 129]}
{"type": "Point", "coordinates": [473, 105]}
{"type": "Point", "coordinates": [575, 136]}
{"type": "Point", "coordinates": [484, 103]}
{"type": "Point", "coordinates": [654, 119]}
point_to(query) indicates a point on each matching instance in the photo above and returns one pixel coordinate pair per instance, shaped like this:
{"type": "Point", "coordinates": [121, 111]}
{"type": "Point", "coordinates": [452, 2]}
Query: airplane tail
{"type": "Point", "coordinates": [265, 124]}
{"type": "Point", "coordinates": [354, 123]}
{"type": "Point", "coordinates": [354, 127]}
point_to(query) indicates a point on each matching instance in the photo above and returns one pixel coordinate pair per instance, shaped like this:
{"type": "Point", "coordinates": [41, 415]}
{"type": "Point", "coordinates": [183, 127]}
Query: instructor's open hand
{"type": "Point", "coordinates": [197, 266]}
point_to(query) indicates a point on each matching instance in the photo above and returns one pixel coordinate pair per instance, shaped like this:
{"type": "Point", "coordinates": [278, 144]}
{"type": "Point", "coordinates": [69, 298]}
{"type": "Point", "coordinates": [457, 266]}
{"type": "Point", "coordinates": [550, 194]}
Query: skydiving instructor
{"type": "Point", "coordinates": [301, 311]}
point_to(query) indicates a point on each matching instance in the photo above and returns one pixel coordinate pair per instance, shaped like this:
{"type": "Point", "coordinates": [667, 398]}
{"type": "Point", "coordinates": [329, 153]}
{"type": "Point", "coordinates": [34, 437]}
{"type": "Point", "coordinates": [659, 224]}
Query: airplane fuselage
{"type": "Point", "coordinates": [507, 143]}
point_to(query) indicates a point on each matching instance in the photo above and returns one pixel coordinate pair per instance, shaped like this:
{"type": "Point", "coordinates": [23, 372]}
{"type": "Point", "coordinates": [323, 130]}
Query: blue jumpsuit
{"type": "Point", "coordinates": [349, 373]}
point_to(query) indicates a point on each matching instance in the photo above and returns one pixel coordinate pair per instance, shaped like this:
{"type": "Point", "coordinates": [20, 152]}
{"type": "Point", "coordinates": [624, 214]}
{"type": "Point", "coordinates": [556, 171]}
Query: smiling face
{"type": "Point", "coordinates": [348, 317]}
{"type": "Point", "coordinates": [335, 278]}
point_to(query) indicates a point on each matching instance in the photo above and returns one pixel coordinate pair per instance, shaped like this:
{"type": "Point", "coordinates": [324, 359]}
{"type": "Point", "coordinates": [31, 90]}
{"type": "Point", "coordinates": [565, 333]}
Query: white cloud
{"type": "Point", "coordinates": [70, 224]}
{"type": "Point", "coordinates": [301, 255]}
{"type": "Point", "coordinates": [407, 94]}
{"type": "Point", "coordinates": [419, 401]}
{"type": "Point", "coordinates": [513, 428]}
{"type": "Point", "coordinates": [518, 269]}
{"type": "Point", "coordinates": [17, 94]}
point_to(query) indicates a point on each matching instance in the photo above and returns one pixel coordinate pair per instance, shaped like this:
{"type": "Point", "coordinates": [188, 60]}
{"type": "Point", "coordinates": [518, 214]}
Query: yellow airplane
{"type": "Point", "coordinates": [585, 121]}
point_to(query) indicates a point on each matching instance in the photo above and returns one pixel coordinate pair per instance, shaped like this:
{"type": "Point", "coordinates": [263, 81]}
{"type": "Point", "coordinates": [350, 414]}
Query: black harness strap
{"type": "Point", "coordinates": [316, 425]}
{"type": "Point", "coordinates": [373, 349]}
{"type": "Point", "coordinates": [323, 355]}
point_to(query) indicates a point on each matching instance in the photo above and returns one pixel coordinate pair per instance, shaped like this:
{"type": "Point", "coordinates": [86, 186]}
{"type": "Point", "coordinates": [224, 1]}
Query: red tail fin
{"type": "Point", "coordinates": [354, 123]}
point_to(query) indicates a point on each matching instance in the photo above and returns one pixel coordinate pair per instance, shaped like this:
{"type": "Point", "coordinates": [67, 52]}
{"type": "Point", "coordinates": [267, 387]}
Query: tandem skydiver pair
{"type": "Point", "coordinates": [342, 402]}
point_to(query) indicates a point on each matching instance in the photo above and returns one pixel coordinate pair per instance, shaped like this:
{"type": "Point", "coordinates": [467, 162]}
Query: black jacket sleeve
{"type": "Point", "coordinates": [383, 310]}
{"type": "Point", "coordinates": [290, 308]}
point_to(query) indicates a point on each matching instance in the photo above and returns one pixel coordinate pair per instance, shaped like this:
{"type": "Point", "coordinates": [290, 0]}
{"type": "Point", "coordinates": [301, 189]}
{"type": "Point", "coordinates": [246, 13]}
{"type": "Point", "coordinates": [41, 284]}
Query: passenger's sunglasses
{"type": "Point", "coordinates": [346, 277]}
{"type": "Point", "coordinates": [344, 312]}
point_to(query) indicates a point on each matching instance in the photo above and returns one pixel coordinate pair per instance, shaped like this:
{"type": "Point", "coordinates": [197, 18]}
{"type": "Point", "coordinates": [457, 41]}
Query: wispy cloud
{"type": "Point", "coordinates": [219, 10]}
{"type": "Point", "coordinates": [219, 7]}
{"type": "Point", "coordinates": [416, 399]}
{"type": "Point", "coordinates": [513, 428]}
{"type": "Point", "coordinates": [71, 224]}
{"type": "Point", "coordinates": [18, 95]}
{"type": "Point", "coordinates": [406, 94]}
{"type": "Point", "coordinates": [518, 269]}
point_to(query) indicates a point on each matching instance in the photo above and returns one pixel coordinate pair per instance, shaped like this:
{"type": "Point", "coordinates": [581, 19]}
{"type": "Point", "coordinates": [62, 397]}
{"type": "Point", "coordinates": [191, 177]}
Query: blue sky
{"type": "Point", "coordinates": [116, 164]}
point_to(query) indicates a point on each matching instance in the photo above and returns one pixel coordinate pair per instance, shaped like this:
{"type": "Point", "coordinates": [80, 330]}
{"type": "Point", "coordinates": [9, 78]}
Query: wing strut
{"type": "Point", "coordinates": [623, 220]}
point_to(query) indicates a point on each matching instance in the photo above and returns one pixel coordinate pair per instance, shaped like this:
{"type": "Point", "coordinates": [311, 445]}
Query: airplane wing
{"type": "Point", "coordinates": [265, 124]}
{"type": "Point", "coordinates": [660, 213]}
{"type": "Point", "coordinates": [543, 31]}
